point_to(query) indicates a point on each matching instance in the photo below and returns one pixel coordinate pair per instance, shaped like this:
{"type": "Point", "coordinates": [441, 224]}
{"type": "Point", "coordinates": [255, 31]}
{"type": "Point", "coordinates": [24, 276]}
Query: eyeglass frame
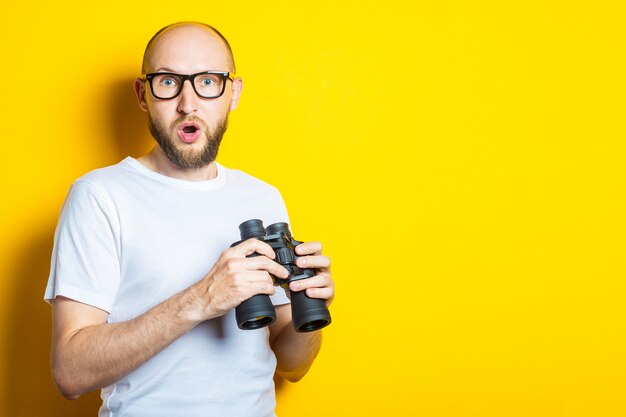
{"type": "Point", "coordinates": [226, 75]}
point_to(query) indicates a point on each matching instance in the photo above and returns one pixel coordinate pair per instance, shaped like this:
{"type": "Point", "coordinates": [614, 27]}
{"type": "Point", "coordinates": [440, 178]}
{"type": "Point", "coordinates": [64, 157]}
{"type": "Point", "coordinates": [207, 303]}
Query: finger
{"type": "Point", "coordinates": [319, 261]}
{"type": "Point", "coordinates": [317, 281]}
{"type": "Point", "coordinates": [327, 294]}
{"type": "Point", "coordinates": [261, 283]}
{"type": "Point", "coordinates": [255, 277]}
{"type": "Point", "coordinates": [251, 246]}
{"type": "Point", "coordinates": [309, 248]}
{"type": "Point", "coordinates": [258, 283]}
{"type": "Point", "coordinates": [265, 264]}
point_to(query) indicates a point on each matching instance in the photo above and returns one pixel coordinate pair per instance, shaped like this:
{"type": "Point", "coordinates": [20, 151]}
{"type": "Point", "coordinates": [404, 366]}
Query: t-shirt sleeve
{"type": "Point", "coordinates": [85, 263]}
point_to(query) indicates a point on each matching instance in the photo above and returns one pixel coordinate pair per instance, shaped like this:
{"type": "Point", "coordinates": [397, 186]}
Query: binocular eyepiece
{"type": "Point", "coordinates": [308, 314]}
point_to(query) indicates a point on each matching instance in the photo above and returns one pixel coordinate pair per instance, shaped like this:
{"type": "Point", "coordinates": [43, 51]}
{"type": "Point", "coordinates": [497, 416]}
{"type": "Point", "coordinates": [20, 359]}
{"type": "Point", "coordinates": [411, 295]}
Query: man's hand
{"type": "Point", "coordinates": [320, 285]}
{"type": "Point", "coordinates": [235, 278]}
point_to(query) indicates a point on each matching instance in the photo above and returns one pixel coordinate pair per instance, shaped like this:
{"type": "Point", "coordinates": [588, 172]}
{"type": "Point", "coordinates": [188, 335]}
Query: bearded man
{"type": "Point", "coordinates": [142, 288]}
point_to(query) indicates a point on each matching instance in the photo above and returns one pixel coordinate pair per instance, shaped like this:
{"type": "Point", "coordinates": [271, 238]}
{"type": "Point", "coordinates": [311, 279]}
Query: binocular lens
{"type": "Point", "coordinates": [256, 323]}
{"type": "Point", "coordinates": [308, 314]}
{"type": "Point", "coordinates": [313, 325]}
{"type": "Point", "coordinates": [255, 312]}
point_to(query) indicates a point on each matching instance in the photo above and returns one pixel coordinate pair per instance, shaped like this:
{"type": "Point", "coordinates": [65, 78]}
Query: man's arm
{"type": "Point", "coordinates": [88, 353]}
{"type": "Point", "coordinates": [295, 352]}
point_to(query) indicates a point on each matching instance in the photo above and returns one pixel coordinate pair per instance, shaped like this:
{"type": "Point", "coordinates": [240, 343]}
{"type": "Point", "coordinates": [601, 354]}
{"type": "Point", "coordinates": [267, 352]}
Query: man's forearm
{"type": "Point", "coordinates": [88, 353]}
{"type": "Point", "coordinates": [295, 352]}
{"type": "Point", "coordinates": [98, 355]}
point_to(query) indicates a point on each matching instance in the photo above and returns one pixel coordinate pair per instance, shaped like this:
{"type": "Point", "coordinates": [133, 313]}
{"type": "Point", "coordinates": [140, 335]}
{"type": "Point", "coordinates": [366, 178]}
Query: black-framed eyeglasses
{"type": "Point", "coordinates": [207, 84]}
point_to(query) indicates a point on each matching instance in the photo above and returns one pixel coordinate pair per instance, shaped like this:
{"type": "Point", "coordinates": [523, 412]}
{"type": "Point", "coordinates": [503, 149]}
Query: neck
{"type": "Point", "coordinates": [158, 162]}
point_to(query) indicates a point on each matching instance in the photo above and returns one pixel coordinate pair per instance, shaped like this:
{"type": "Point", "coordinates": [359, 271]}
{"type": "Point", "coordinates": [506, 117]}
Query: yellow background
{"type": "Point", "coordinates": [462, 161]}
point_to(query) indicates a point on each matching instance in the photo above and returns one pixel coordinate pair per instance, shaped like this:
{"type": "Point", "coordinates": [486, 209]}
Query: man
{"type": "Point", "coordinates": [141, 285]}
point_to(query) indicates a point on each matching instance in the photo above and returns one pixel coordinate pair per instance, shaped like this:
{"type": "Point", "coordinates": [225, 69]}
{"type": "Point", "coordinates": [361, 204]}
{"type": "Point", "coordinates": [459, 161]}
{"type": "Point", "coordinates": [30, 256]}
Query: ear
{"type": "Point", "coordinates": [237, 87]}
{"type": "Point", "coordinates": [140, 92]}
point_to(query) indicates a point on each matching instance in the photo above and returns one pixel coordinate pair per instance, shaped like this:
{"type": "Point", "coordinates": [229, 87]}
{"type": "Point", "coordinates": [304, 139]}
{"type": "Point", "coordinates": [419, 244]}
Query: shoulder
{"type": "Point", "coordinates": [106, 175]}
{"type": "Point", "coordinates": [110, 182]}
{"type": "Point", "coordinates": [95, 187]}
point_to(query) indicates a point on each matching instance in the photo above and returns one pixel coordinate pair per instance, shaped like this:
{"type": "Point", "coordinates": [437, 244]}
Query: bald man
{"type": "Point", "coordinates": [143, 284]}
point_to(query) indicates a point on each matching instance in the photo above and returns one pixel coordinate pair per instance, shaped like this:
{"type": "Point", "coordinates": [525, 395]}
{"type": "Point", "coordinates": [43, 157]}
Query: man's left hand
{"type": "Point", "coordinates": [321, 285]}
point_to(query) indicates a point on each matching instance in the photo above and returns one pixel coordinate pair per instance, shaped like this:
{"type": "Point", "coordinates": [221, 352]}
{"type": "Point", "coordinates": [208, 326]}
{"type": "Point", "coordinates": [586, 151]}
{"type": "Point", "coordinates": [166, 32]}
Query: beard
{"type": "Point", "coordinates": [189, 158]}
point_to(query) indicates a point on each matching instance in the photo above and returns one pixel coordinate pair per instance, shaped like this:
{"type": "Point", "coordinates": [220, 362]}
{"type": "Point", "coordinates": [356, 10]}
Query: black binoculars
{"type": "Point", "coordinates": [308, 314]}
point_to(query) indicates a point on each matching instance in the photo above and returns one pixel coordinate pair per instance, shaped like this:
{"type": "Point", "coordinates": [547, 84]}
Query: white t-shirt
{"type": "Point", "coordinates": [127, 239]}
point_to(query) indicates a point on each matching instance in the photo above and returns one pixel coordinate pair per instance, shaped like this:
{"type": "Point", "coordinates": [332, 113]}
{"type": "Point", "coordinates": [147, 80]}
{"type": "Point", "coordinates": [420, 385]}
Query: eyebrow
{"type": "Point", "coordinates": [165, 69]}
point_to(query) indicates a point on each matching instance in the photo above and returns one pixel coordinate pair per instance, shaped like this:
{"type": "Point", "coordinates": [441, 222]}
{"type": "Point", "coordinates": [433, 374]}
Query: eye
{"type": "Point", "coordinates": [207, 81]}
{"type": "Point", "coordinates": [167, 82]}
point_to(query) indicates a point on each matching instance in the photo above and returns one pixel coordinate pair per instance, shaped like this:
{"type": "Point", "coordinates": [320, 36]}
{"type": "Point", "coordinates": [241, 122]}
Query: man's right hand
{"type": "Point", "coordinates": [235, 277]}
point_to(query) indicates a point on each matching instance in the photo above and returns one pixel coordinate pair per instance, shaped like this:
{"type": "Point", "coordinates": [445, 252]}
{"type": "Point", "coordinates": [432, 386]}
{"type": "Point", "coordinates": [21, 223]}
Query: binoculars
{"type": "Point", "coordinates": [308, 314]}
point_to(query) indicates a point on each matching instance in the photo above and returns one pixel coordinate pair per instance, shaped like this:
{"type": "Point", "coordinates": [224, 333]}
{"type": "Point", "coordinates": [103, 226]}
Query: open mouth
{"type": "Point", "coordinates": [189, 132]}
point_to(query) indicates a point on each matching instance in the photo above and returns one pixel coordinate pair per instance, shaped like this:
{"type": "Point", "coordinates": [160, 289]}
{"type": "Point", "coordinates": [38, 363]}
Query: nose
{"type": "Point", "coordinates": [187, 100]}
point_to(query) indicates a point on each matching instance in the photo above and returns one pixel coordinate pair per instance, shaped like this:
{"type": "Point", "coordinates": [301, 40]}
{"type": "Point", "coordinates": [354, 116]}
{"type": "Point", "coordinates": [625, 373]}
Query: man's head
{"type": "Point", "coordinates": [188, 128]}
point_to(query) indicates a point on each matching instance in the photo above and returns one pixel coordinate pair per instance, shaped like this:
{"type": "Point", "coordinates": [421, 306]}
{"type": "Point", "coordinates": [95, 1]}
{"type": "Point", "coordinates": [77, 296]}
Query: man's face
{"type": "Point", "coordinates": [187, 128]}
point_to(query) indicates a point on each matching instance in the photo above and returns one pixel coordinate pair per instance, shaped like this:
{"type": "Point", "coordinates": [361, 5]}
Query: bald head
{"type": "Point", "coordinates": [191, 37]}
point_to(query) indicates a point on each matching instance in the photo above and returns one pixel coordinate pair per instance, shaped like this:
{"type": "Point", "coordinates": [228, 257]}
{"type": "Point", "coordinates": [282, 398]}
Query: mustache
{"type": "Point", "coordinates": [190, 119]}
